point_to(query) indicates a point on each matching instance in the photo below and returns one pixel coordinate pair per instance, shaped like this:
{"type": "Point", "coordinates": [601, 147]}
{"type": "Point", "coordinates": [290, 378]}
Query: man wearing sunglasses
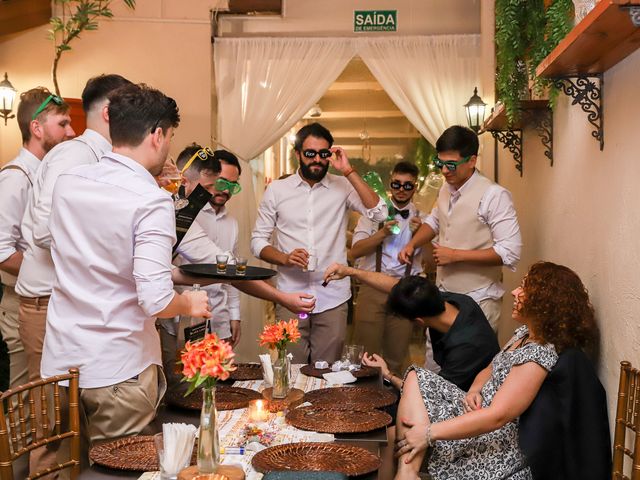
{"type": "Point", "coordinates": [44, 122]}
{"type": "Point", "coordinates": [307, 215]}
{"type": "Point", "coordinates": [376, 248]}
{"type": "Point", "coordinates": [476, 225]}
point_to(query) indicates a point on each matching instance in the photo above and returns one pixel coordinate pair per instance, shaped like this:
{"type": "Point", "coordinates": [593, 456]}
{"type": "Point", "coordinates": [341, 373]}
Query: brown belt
{"type": "Point", "coordinates": [35, 301]}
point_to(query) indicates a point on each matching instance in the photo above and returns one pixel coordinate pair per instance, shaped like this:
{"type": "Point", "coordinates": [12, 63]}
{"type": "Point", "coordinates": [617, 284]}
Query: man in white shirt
{"type": "Point", "coordinates": [307, 215]}
{"type": "Point", "coordinates": [44, 122]}
{"type": "Point", "coordinates": [112, 231]}
{"type": "Point", "coordinates": [35, 280]}
{"type": "Point", "coordinates": [476, 225]}
{"type": "Point", "coordinates": [375, 326]}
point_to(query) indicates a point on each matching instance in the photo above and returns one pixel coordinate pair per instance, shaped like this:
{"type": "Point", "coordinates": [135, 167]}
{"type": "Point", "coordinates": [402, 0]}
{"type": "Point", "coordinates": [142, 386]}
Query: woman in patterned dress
{"type": "Point", "coordinates": [474, 435]}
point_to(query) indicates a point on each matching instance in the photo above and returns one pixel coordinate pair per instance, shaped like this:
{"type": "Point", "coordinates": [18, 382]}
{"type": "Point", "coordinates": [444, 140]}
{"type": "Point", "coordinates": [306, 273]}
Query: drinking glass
{"type": "Point", "coordinates": [354, 354]}
{"type": "Point", "coordinates": [312, 263]}
{"type": "Point", "coordinates": [221, 263]}
{"type": "Point", "coordinates": [241, 266]}
{"type": "Point", "coordinates": [171, 174]}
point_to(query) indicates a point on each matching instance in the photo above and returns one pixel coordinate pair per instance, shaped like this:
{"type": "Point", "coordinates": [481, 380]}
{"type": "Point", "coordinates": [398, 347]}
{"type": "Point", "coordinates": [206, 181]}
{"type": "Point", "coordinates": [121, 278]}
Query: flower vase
{"type": "Point", "coordinates": [281, 375]}
{"type": "Point", "coordinates": [208, 444]}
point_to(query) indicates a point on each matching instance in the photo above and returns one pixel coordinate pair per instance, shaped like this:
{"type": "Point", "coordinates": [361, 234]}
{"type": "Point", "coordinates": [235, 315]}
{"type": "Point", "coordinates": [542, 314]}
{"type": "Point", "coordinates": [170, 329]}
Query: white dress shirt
{"type": "Point", "coordinates": [496, 210]}
{"type": "Point", "coordinates": [221, 238]}
{"type": "Point", "coordinates": [36, 272]}
{"type": "Point", "coordinates": [300, 216]}
{"type": "Point", "coordinates": [112, 230]}
{"type": "Point", "coordinates": [391, 245]}
{"type": "Point", "coordinates": [15, 189]}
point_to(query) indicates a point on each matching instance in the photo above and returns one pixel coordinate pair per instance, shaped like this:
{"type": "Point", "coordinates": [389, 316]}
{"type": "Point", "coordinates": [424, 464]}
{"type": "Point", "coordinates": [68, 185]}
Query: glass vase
{"type": "Point", "coordinates": [208, 444]}
{"type": "Point", "coordinates": [281, 375]}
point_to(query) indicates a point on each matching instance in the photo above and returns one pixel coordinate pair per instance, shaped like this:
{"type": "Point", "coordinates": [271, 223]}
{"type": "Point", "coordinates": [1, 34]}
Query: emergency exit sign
{"type": "Point", "coordinates": [375, 20]}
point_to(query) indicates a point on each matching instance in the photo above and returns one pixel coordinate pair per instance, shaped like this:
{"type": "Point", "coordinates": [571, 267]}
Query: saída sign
{"type": "Point", "coordinates": [375, 20]}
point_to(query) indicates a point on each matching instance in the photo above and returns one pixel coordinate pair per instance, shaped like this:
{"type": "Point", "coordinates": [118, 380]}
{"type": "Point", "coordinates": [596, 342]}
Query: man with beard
{"type": "Point", "coordinates": [307, 215]}
{"type": "Point", "coordinates": [44, 122]}
{"type": "Point", "coordinates": [378, 329]}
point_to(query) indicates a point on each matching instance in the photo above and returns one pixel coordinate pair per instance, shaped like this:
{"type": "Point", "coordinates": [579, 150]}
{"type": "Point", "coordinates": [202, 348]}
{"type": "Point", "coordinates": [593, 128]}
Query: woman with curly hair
{"type": "Point", "coordinates": [475, 434]}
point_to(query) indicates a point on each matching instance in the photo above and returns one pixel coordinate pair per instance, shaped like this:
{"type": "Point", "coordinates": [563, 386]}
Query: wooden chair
{"type": "Point", "coordinates": [627, 417]}
{"type": "Point", "coordinates": [18, 432]}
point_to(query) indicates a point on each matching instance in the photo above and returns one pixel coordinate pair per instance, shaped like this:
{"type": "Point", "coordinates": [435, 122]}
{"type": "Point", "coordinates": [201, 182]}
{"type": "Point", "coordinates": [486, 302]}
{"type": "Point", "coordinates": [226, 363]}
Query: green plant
{"type": "Point", "coordinates": [77, 16]}
{"type": "Point", "coordinates": [525, 34]}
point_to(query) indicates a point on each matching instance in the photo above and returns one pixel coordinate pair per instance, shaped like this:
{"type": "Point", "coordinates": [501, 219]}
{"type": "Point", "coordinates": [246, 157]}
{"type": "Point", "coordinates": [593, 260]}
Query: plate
{"type": "Point", "coordinates": [364, 372]}
{"type": "Point", "coordinates": [227, 398]}
{"type": "Point", "coordinates": [210, 270]}
{"type": "Point", "coordinates": [353, 397]}
{"type": "Point", "coordinates": [247, 371]}
{"type": "Point", "coordinates": [312, 456]}
{"type": "Point", "coordinates": [337, 420]}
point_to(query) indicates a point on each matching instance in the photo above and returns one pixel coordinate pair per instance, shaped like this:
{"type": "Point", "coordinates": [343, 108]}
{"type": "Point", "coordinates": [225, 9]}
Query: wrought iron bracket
{"type": "Point", "coordinates": [542, 121]}
{"type": "Point", "coordinates": [511, 140]}
{"type": "Point", "coordinates": [634, 14]}
{"type": "Point", "coordinates": [587, 93]}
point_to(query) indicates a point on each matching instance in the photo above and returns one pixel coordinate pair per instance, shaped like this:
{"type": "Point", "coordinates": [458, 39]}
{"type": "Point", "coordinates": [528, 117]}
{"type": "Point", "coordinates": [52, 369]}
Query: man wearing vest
{"type": "Point", "coordinates": [476, 225]}
{"type": "Point", "coordinates": [44, 122]}
{"type": "Point", "coordinates": [378, 329]}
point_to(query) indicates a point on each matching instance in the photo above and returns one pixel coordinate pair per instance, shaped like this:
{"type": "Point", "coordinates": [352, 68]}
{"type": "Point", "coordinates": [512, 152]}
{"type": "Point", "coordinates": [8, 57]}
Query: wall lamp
{"type": "Point", "coordinates": [475, 108]}
{"type": "Point", "coordinates": [7, 97]}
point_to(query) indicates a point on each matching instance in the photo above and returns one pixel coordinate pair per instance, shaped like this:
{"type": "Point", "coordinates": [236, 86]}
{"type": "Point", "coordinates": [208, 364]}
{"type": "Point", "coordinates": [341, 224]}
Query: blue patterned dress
{"type": "Point", "coordinates": [490, 456]}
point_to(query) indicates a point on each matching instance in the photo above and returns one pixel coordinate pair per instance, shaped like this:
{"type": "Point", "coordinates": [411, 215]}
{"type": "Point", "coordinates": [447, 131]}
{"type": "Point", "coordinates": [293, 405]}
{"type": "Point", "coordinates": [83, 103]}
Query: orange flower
{"type": "Point", "coordinates": [206, 361]}
{"type": "Point", "coordinates": [278, 335]}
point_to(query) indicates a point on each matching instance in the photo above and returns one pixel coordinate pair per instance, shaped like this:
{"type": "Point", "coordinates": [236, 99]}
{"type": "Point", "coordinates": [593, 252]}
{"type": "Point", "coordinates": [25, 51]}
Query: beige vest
{"type": "Point", "coordinates": [464, 230]}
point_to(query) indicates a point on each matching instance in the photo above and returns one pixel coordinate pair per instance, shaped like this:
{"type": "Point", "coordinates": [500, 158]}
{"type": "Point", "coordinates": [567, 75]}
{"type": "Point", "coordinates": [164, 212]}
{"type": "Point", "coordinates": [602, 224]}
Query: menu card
{"type": "Point", "coordinates": [185, 216]}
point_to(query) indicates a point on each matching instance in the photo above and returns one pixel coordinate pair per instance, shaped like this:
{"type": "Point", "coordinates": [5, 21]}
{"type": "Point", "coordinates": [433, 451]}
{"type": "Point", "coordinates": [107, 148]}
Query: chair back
{"type": "Point", "coordinates": [627, 417]}
{"type": "Point", "coordinates": [18, 422]}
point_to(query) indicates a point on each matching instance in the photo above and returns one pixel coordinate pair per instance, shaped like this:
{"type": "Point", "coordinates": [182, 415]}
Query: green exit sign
{"type": "Point", "coordinates": [375, 20]}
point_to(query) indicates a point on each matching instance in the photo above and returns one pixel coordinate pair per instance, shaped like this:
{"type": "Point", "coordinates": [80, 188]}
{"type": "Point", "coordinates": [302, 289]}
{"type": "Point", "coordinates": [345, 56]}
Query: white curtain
{"type": "Point", "coordinates": [429, 78]}
{"type": "Point", "coordinates": [265, 85]}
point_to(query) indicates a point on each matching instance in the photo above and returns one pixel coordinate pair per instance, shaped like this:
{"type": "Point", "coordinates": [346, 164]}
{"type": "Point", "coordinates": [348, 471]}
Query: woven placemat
{"type": "Point", "coordinates": [227, 398]}
{"type": "Point", "coordinates": [364, 372]}
{"type": "Point", "coordinates": [247, 371]}
{"type": "Point", "coordinates": [337, 420]}
{"type": "Point", "coordinates": [136, 454]}
{"type": "Point", "coordinates": [311, 456]}
{"type": "Point", "coordinates": [354, 397]}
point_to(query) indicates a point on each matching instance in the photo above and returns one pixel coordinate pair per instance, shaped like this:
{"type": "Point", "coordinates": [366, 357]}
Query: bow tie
{"type": "Point", "coordinates": [403, 213]}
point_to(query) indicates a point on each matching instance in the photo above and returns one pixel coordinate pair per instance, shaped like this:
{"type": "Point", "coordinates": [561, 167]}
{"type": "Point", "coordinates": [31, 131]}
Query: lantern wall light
{"type": "Point", "coordinates": [7, 97]}
{"type": "Point", "coordinates": [475, 108]}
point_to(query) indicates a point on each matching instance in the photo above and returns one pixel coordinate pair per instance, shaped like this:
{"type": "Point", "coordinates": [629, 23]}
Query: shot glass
{"type": "Point", "coordinates": [354, 354]}
{"type": "Point", "coordinates": [312, 263]}
{"type": "Point", "coordinates": [172, 462]}
{"type": "Point", "coordinates": [241, 266]}
{"type": "Point", "coordinates": [221, 263]}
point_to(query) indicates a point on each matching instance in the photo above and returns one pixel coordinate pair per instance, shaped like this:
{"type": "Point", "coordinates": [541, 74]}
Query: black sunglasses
{"type": "Point", "coordinates": [311, 153]}
{"type": "Point", "coordinates": [408, 186]}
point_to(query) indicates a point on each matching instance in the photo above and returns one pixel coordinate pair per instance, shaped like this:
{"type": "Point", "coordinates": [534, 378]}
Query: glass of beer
{"type": "Point", "coordinates": [241, 266]}
{"type": "Point", "coordinates": [221, 263]}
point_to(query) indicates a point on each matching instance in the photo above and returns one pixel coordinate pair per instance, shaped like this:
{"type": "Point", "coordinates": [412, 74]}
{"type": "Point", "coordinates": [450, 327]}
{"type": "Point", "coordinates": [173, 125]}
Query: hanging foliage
{"type": "Point", "coordinates": [525, 35]}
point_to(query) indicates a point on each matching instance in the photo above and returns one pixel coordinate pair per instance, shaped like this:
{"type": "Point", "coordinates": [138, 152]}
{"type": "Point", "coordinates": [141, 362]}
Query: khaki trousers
{"type": "Point", "coordinates": [18, 372]}
{"type": "Point", "coordinates": [492, 309]}
{"type": "Point", "coordinates": [381, 331]}
{"type": "Point", "coordinates": [32, 320]}
{"type": "Point", "coordinates": [322, 334]}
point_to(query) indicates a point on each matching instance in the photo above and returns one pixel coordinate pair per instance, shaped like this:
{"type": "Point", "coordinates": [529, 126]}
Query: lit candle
{"type": "Point", "coordinates": [257, 411]}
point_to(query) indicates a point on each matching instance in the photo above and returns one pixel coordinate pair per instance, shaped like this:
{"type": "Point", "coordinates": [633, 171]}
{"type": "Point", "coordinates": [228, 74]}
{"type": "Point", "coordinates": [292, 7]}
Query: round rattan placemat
{"type": "Point", "coordinates": [247, 371]}
{"type": "Point", "coordinates": [364, 372]}
{"type": "Point", "coordinates": [227, 398]}
{"type": "Point", "coordinates": [355, 397]}
{"type": "Point", "coordinates": [137, 454]}
{"type": "Point", "coordinates": [332, 457]}
{"type": "Point", "coordinates": [337, 420]}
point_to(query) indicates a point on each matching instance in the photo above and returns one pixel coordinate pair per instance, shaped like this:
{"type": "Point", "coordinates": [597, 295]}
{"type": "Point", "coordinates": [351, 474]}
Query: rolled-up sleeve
{"type": "Point", "coordinates": [154, 237]}
{"type": "Point", "coordinates": [265, 223]}
{"type": "Point", "coordinates": [432, 220]}
{"type": "Point", "coordinates": [378, 213]}
{"type": "Point", "coordinates": [14, 195]}
{"type": "Point", "coordinates": [497, 211]}
{"type": "Point", "coordinates": [197, 247]}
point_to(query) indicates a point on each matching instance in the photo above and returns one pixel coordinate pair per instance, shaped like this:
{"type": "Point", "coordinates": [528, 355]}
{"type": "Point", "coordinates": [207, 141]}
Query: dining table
{"type": "Point", "coordinates": [230, 424]}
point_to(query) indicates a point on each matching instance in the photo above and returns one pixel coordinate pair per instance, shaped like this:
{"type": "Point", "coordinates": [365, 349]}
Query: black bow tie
{"type": "Point", "coordinates": [403, 213]}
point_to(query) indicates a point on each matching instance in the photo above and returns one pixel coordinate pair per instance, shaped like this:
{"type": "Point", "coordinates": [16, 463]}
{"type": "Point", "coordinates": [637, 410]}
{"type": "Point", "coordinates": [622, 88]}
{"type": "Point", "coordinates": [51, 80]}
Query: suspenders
{"type": "Point", "coordinates": [16, 167]}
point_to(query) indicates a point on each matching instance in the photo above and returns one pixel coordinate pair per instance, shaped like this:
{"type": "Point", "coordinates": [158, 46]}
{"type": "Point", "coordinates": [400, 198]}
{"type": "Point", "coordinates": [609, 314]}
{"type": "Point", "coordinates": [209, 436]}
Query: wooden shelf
{"type": "Point", "coordinates": [602, 39]}
{"type": "Point", "coordinates": [498, 119]}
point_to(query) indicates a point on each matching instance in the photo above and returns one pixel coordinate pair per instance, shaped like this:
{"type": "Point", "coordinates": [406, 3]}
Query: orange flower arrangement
{"type": "Point", "coordinates": [207, 361]}
{"type": "Point", "coordinates": [278, 335]}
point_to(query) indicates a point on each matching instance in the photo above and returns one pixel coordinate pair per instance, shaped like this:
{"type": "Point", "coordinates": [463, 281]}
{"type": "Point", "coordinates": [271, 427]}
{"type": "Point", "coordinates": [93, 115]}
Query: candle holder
{"type": "Point", "coordinates": [258, 411]}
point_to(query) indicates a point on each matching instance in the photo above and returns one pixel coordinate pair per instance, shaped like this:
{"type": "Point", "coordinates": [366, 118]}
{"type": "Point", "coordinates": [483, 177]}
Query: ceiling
{"type": "Point", "coordinates": [356, 102]}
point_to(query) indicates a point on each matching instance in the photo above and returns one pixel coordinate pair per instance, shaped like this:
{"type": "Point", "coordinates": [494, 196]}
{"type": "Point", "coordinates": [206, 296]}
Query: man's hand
{"type": "Point", "coordinates": [444, 255]}
{"type": "Point", "coordinates": [298, 302]}
{"type": "Point", "coordinates": [406, 254]}
{"type": "Point", "coordinates": [413, 442]}
{"type": "Point", "coordinates": [472, 401]}
{"type": "Point", "coordinates": [414, 224]}
{"type": "Point", "coordinates": [198, 303]}
{"type": "Point", "coordinates": [376, 360]}
{"type": "Point", "coordinates": [388, 226]}
{"type": "Point", "coordinates": [339, 160]}
{"type": "Point", "coordinates": [336, 271]}
{"type": "Point", "coordinates": [298, 258]}
{"type": "Point", "coordinates": [235, 332]}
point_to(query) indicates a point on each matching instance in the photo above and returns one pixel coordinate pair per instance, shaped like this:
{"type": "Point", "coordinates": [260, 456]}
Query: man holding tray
{"type": "Point", "coordinates": [307, 215]}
